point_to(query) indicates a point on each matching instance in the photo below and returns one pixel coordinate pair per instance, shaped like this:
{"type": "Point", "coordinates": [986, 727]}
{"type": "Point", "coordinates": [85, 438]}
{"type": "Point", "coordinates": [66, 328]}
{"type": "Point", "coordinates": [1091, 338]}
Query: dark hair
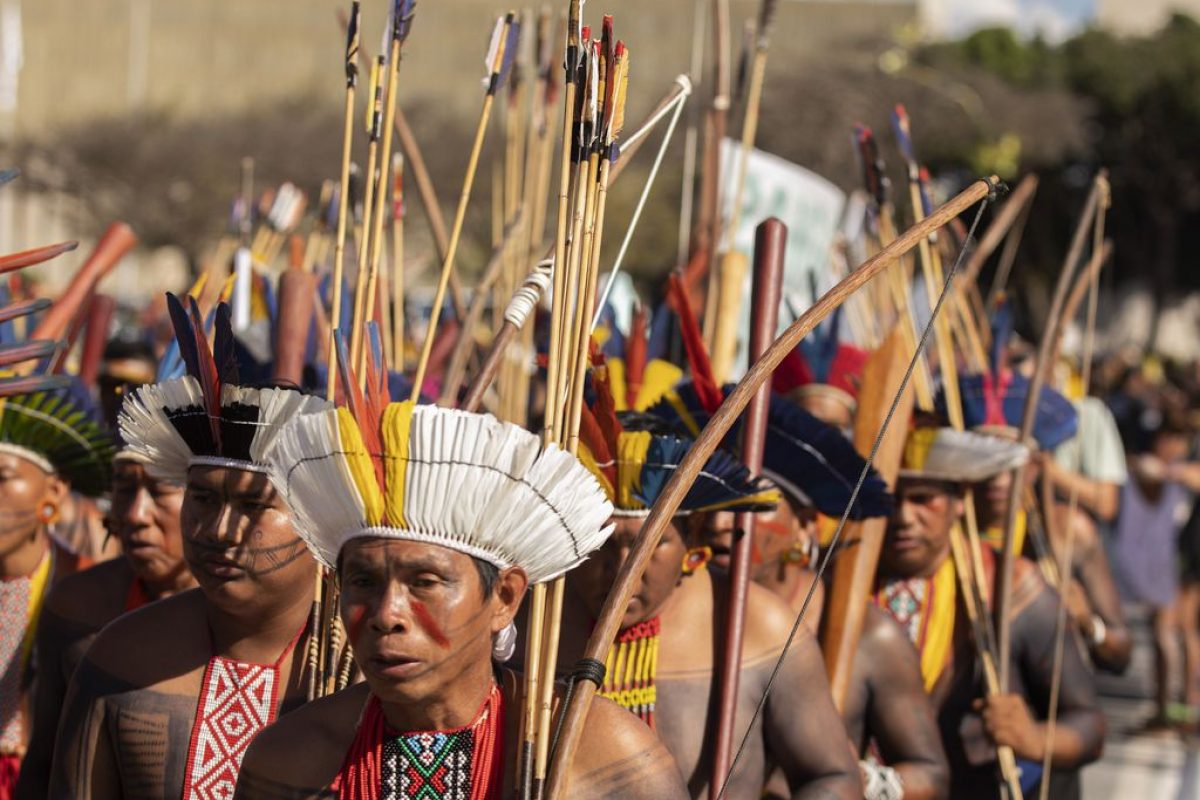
{"type": "Point", "coordinates": [121, 349]}
{"type": "Point", "coordinates": [489, 574]}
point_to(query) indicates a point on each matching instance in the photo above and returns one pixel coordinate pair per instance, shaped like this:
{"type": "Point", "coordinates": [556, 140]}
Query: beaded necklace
{"type": "Point", "coordinates": [461, 764]}
{"type": "Point", "coordinates": [631, 667]}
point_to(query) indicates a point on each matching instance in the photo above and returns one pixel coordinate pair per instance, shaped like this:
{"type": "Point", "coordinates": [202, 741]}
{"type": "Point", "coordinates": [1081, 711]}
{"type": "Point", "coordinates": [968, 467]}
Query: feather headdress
{"type": "Point", "coordinates": [809, 459]}
{"type": "Point", "coordinates": [944, 454]}
{"type": "Point", "coordinates": [60, 432]}
{"type": "Point", "coordinates": [446, 477]}
{"type": "Point", "coordinates": [634, 459]}
{"type": "Point", "coordinates": [206, 416]}
{"type": "Point", "coordinates": [995, 400]}
{"type": "Point", "coordinates": [821, 364]}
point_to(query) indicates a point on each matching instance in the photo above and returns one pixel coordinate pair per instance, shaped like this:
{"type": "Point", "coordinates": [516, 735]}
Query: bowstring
{"type": "Point", "coordinates": [862, 477]}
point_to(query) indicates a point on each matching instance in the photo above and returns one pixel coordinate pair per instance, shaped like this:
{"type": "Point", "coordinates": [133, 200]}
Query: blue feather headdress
{"type": "Point", "coordinates": [207, 417]}
{"type": "Point", "coordinates": [809, 459]}
{"type": "Point", "coordinates": [633, 460]}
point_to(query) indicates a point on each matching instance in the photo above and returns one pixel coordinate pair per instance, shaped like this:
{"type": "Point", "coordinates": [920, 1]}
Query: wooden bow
{"type": "Point", "coordinates": [709, 439]}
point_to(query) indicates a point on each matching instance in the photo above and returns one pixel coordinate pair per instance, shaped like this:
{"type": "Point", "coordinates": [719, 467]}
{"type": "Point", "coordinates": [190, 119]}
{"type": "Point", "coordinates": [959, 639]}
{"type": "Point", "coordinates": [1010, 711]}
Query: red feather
{"type": "Point", "coordinates": [210, 379]}
{"type": "Point", "coordinates": [707, 391]}
{"type": "Point", "coordinates": [593, 437]}
{"type": "Point", "coordinates": [635, 356]}
{"type": "Point", "coordinates": [367, 416]}
{"type": "Point", "coordinates": [604, 409]}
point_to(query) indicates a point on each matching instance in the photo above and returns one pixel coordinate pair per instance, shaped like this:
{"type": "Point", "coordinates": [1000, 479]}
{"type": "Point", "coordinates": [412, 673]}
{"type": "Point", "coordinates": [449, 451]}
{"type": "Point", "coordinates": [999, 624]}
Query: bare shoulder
{"type": "Point", "coordinates": [883, 635]}
{"type": "Point", "coordinates": [299, 755]}
{"type": "Point", "coordinates": [91, 597]}
{"type": "Point", "coordinates": [154, 641]}
{"type": "Point", "coordinates": [619, 756]}
{"type": "Point", "coordinates": [769, 622]}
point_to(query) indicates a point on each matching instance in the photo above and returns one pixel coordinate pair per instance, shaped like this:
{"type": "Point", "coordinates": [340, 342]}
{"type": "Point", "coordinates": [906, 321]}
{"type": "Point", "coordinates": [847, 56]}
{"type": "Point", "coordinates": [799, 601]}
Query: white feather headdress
{"type": "Point", "coordinates": [168, 426]}
{"type": "Point", "coordinates": [946, 454]}
{"type": "Point", "coordinates": [460, 480]}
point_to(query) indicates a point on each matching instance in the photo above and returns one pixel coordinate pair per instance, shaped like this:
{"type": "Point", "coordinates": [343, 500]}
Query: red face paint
{"type": "Point", "coordinates": [358, 616]}
{"type": "Point", "coordinates": [427, 623]}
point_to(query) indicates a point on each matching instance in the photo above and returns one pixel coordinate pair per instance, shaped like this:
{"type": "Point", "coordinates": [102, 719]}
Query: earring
{"type": "Point", "coordinates": [49, 513]}
{"type": "Point", "coordinates": [696, 558]}
{"type": "Point", "coordinates": [800, 553]}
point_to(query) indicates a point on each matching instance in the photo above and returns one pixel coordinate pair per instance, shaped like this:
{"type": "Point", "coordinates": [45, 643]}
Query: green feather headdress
{"type": "Point", "coordinates": [60, 435]}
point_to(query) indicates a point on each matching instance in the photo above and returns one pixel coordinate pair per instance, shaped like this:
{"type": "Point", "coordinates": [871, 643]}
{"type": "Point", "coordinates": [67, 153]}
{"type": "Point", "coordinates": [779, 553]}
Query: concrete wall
{"type": "Point", "coordinates": [206, 57]}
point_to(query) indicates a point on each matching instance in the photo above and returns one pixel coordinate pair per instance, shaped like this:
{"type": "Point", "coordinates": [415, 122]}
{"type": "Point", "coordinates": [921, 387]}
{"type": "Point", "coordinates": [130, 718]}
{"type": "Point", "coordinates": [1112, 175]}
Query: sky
{"type": "Point", "coordinates": [1055, 20]}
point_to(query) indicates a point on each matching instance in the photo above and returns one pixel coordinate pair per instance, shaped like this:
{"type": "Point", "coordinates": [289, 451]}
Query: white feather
{"type": "Point", "coordinates": [968, 457]}
{"type": "Point", "coordinates": [149, 433]}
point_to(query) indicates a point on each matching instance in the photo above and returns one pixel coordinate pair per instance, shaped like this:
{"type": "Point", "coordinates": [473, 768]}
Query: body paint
{"type": "Point", "coordinates": [427, 623]}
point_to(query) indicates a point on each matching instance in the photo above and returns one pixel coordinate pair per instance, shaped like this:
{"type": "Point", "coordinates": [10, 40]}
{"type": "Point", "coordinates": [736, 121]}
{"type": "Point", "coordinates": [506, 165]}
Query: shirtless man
{"type": "Point", "coordinates": [166, 700]}
{"type": "Point", "coordinates": [425, 612]}
{"type": "Point", "coordinates": [916, 556]}
{"type": "Point", "coordinates": [680, 608]}
{"type": "Point", "coordinates": [145, 520]}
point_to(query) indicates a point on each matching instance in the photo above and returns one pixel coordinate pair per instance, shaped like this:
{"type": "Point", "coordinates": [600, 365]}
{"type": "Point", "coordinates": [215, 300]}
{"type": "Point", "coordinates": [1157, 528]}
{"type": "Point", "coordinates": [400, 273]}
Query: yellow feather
{"type": "Point", "coordinates": [361, 468]}
{"type": "Point", "coordinates": [397, 422]}
{"type": "Point", "coordinates": [631, 456]}
{"type": "Point", "coordinates": [658, 379]}
{"type": "Point", "coordinates": [588, 460]}
{"type": "Point", "coordinates": [617, 383]}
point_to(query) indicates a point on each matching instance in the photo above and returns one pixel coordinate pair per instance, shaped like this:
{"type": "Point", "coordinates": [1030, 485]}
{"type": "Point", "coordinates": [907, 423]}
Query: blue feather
{"type": "Point", "coordinates": [1002, 328]}
{"type": "Point", "coordinates": [661, 328]}
{"type": "Point", "coordinates": [223, 346]}
{"type": "Point", "coordinates": [185, 335]}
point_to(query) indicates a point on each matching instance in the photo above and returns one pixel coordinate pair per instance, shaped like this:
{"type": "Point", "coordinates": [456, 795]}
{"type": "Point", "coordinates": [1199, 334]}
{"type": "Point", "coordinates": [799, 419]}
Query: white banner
{"type": "Point", "coordinates": [807, 203]}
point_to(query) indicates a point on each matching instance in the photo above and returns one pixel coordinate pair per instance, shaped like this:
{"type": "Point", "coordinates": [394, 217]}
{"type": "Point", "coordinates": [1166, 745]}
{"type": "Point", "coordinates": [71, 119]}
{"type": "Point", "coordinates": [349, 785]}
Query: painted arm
{"type": "Point", "coordinates": [811, 747]}
{"type": "Point", "coordinates": [899, 714]}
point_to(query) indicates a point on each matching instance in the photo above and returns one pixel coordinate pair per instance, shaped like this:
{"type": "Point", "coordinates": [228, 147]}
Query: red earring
{"type": "Point", "coordinates": [696, 558]}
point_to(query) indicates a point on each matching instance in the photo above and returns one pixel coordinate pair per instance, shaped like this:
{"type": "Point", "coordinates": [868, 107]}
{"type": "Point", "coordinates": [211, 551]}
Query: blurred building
{"type": "Point", "coordinates": [63, 62]}
{"type": "Point", "coordinates": [1140, 17]}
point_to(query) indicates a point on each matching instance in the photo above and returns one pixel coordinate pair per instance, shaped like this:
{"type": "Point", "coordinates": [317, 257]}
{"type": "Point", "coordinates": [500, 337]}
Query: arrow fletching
{"type": "Point", "coordinates": [766, 21]}
{"type": "Point", "coordinates": [352, 43]}
{"type": "Point", "coordinates": [9, 175]}
{"type": "Point", "coordinates": [900, 124]}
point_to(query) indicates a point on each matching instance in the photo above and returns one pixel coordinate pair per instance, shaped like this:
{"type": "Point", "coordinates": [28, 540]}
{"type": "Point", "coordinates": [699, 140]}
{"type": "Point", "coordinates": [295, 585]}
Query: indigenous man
{"type": "Point", "coordinates": [676, 616]}
{"type": "Point", "coordinates": [887, 714]}
{"type": "Point", "coordinates": [145, 520]}
{"type": "Point", "coordinates": [436, 521]}
{"type": "Point", "coordinates": [995, 407]}
{"type": "Point", "coordinates": [167, 699]}
{"type": "Point", "coordinates": [919, 587]}
{"type": "Point", "coordinates": [49, 442]}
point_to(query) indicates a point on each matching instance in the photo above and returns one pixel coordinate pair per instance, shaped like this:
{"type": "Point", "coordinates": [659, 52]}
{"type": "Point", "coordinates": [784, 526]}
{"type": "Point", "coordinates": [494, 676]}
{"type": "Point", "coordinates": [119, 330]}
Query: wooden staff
{"type": "Point", "coordinates": [297, 291]}
{"type": "Point", "coordinates": [100, 316]}
{"type": "Point", "coordinates": [770, 247]}
{"type": "Point", "coordinates": [498, 61]}
{"type": "Point", "coordinates": [1029, 416]}
{"type": "Point", "coordinates": [854, 570]}
{"type": "Point", "coordinates": [709, 439]}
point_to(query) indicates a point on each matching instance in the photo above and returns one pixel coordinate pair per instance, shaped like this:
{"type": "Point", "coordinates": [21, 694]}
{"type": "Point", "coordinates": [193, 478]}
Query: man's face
{"type": "Point", "coordinates": [417, 615]}
{"type": "Point", "coordinates": [145, 519]}
{"type": "Point", "coordinates": [991, 496]}
{"type": "Point", "coordinates": [238, 538]}
{"type": "Point", "coordinates": [774, 534]}
{"type": "Point", "coordinates": [25, 489]}
{"type": "Point", "coordinates": [918, 534]}
{"type": "Point", "coordinates": [593, 579]}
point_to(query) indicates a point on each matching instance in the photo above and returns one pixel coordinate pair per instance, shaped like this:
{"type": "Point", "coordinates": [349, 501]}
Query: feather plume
{"type": "Point", "coordinates": [185, 336]}
{"type": "Point", "coordinates": [160, 421]}
{"type": "Point", "coordinates": [366, 416]}
{"type": "Point", "coordinates": [403, 18]}
{"type": "Point", "coordinates": [635, 355]}
{"type": "Point", "coordinates": [210, 381]}
{"type": "Point", "coordinates": [969, 457]}
{"type": "Point", "coordinates": [693, 342]}
{"type": "Point", "coordinates": [224, 353]}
